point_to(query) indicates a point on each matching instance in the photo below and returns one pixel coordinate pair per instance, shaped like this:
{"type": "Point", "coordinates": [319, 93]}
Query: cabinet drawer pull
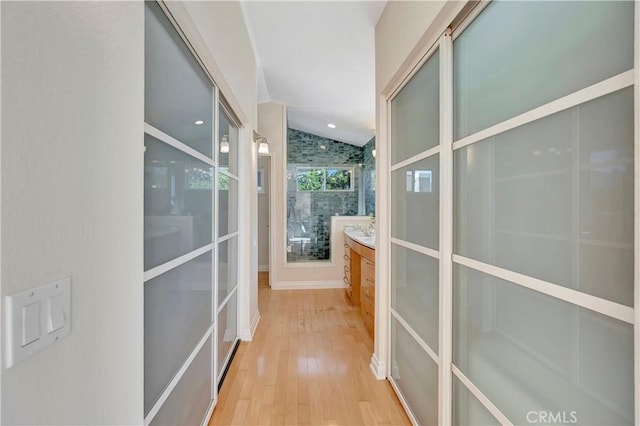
{"type": "Point", "coordinates": [346, 257]}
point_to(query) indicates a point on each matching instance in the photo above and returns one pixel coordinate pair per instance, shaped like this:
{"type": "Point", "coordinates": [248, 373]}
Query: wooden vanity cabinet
{"type": "Point", "coordinates": [352, 273]}
{"type": "Point", "coordinates": [368, 293]}
{"type": "Point", "coordinates": [360, 279]}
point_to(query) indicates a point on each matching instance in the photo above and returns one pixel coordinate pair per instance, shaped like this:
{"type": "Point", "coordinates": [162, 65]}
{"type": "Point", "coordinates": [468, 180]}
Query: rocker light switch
{"type": "Point", "coordinates": [31, 323]}
{"type": "Point", "coordinates": [56, 313]}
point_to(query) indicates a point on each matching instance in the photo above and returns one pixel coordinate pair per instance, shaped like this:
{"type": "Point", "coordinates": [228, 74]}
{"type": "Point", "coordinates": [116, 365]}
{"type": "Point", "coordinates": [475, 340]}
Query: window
{"type": "Point", "coordinates": [199, 178]}
{"type": "Point", "coordinates": [419, 181]}
{"type": "Point", "coordinates": [324, 179]}
{"type": "Point", "coordinates": [261, 181]}
{"type": "Point", "coordinates": [223, 182]}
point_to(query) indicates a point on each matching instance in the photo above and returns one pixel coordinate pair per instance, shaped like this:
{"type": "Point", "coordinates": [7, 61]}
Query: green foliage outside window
{"type": "Point", "coordinates": [310, 179]}
{"type": "Point", "coordinates": [198, 178]}
{"type": "Point", "coordinates": [324, 179]}
{"type": "Point", "coordinates": [338, 180]}
{"type": "Point", "coordinates": [223, 182]}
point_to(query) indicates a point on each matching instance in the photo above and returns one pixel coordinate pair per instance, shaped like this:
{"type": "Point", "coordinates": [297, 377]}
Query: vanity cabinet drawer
{"type": "Point", "coordinates": [368, 294]}
{"type": "Point", "coordinates": [368, 315]}
{"type": "Point", "coordinates": [351, 275]}
{"type": "Point", "coordinates": [368, 271]}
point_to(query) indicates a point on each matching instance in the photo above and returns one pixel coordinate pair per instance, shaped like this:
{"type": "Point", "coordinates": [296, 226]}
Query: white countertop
{"type": "Point", "coordinates": [359, 236]}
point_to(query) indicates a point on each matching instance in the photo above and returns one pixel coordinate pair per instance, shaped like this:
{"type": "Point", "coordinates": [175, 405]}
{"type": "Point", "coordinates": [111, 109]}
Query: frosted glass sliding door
{"type": "Point", "coordinates": [528, 351]}
{"type": "Point", "coordinates": [227, 259]}
{"type": "Point", "coordinates": [179, 176]}
{"type": "Point", "coordinates": [516, 56]}
{"type": "Point", "coordinates": [188, 403]}
{"type": "Point", "coordinates": [415, 228]}
{"type": "Point", "coordinates": [512, 193]}
{"type": "Point", "coordinates": [543, 212]}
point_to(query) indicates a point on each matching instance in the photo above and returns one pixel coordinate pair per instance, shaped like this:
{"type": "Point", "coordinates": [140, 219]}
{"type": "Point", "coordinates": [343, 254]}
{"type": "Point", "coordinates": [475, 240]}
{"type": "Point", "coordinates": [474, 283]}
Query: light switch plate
{"type": "Point", "coordinates": [31, 323]}
{"type": "Point", "coordinates": [36, 319]}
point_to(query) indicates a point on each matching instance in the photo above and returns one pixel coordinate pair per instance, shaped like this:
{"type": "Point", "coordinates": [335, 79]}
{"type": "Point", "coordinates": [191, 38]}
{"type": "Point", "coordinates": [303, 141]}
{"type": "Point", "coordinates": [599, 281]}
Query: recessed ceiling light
{"type": "Point", "coordinates": [323, 147]}
{"type": "Point", "coordinates": [199, 123]}
{"type": "Point", "coordinates": [331, 126]}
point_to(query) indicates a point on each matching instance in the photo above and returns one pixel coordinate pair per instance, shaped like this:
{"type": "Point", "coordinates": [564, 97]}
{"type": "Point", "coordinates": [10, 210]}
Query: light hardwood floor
{"type": "Point", "coordinates": [308, 364]}
{"type": "Point", "coordinates": [263, 279]}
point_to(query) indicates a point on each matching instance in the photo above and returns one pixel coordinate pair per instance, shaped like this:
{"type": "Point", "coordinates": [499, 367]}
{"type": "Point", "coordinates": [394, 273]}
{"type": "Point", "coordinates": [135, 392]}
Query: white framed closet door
{"type": "Point", "coordinates": [179, 176]}
{"type": "Point", "coordinates": [536, 223]}
{"type": "Point", "coordinates": [543, 278]}
{"type": "Point", "coordinates": [227, 239]}
{"type": "Point", "coordinates": [415, 239]}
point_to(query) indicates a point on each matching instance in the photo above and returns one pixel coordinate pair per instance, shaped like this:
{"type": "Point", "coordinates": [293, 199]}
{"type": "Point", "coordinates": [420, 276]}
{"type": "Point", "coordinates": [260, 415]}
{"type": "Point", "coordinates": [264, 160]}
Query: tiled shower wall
{"type": "Point", "coordinates": [369, 177]}
{"type": "Point", "coordinates": [309, 213]}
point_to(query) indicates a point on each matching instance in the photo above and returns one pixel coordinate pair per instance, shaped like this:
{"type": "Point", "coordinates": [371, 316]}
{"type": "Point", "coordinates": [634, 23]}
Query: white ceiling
{"type": "Point", "coordinates": [317, 58]}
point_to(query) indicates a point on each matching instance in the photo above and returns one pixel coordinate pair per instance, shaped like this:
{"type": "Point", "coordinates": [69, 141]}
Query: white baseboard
{"type": "Point", "coordinates": [254, 322]}
{"type": "Point", "coordinates": [247, 333]}
{"type": "Point", "coordinates": [306, 285]}
{"type": "Point", "coordinates": [263, 268]}
{"type": "Point", "coordinates": [378, 368]}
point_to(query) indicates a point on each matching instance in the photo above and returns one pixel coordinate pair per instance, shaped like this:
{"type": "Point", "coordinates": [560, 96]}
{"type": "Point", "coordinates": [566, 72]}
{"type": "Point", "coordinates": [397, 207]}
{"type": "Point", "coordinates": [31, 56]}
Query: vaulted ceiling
{"type": "Point", "coordinates": [317, 58]}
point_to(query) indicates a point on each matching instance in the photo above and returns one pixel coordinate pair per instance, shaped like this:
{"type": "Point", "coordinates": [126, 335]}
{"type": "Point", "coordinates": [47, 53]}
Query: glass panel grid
{"type": "Point", "coordinates": [415, 112]}
{"type": "Point", "coordinates": [188, 402]}
{"type": "Point", "coordinates": [227, 331]}
{"type": "Point", "coordinates": [177, 314]}
{"type": "Point", "coordinates": [415, 201]}
{"type": "Point", "coordinates": [178, 223]}
{"type": "Point", "coordinates": [527, 351]}
{"type": "Point", "coordinates": [415, 374]}
{"type": "Point", "coordinates": [497, 75]}
{"type": "Point", "coordinates": [467, 410]}
{"type": "Point", "coordinates": [177, 203]}
{"type": "Point", "coordinates": [553, 199]}
{"type": "Point", "coordinates": [227, 268]}
{"type": "Point", "coordinates": [178, 93]}
{"type": "Point", "coordinates": [227, 204]}
{"type": "Point", "coordinates": [600, 183]}
{"type": "Point", "coordinates": [414, 292]}
{"type": "Point", "coordinates": [227, 142]}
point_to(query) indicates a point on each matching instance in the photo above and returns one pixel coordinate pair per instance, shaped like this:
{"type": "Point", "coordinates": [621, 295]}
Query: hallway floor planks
{"type": "Point", "coordinates": [308, 364]}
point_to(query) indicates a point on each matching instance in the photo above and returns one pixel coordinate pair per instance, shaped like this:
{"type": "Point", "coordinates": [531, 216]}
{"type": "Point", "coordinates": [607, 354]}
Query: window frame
{"type": "Point", "coordinates": [325, 169]}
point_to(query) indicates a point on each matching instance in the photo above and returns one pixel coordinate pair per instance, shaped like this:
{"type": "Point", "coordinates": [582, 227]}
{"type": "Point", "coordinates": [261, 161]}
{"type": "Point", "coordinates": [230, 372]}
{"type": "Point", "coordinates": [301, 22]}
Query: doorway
{"type": "Point", "coordinates": [264, 204]}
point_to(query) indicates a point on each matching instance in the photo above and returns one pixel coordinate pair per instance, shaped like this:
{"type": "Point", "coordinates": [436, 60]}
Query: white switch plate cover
{"type": "Point", "coordinates": [36, 319]}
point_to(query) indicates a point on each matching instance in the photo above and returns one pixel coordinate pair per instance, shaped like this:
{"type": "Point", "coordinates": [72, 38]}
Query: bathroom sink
{"type": "Point", "coordinates": [357, 233]}
{"type": "Point", "coordinates": [370, 241]}
{"type": "Point", "coordinates": [360, 236]}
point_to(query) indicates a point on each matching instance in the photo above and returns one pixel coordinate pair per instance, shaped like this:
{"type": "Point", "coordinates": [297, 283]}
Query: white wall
{"type": "Point", "coordinates": [218, 32]}
{"type": "Point", "coordinates": [400, 27]}
{"type": "Point", "coordinates": [272, 123]}
{"type": "Point", "coordinates": [264, 163]}
{"type": "Point", "coordinates": [71, 197]}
